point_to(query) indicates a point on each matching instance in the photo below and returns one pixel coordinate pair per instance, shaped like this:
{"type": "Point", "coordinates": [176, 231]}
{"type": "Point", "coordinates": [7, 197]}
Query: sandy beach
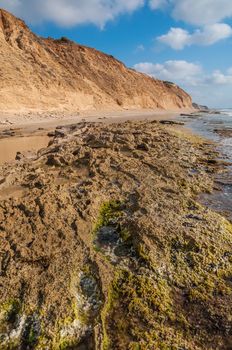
{"type": "Point", "coordinates": [28, 133]}
{"type": "Point", "coordinates": [115, 175]}
{"type": "Point", "coordinates": [33, 120]}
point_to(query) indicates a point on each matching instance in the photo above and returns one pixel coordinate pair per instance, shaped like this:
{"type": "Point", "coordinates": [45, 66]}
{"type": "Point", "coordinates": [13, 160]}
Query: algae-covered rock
{"type": "Point", "coordinates": [109, 248]}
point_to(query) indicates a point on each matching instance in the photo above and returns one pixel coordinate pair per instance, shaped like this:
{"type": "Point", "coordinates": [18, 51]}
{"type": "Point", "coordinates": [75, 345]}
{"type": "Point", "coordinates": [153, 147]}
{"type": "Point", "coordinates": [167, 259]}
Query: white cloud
{"type": "Point", "coordinates": [71, 12]}
{"type": "Point", "coordinates": [211, 34]}
{"type": "Point", "coordinates": [197, 12]}
{"type": "Point", "coordinates": [183, 72]}
{"type": "Point", "coordinates": [204, 88]}
{"type": "Point", "coordinates": [204, 13]}
{"type": "Point", "coordinates": [201, 12]}
{"type": "Point", "coordinates": [178, 38]}
{"type": "Point", "coordinates": [219, 78]}
{"type": "Point", "coordinates": [178, 71]}
{"type": "Point", "coordinates": [98, 12]}
{"type": "Point", "coordinates": [157, 4]}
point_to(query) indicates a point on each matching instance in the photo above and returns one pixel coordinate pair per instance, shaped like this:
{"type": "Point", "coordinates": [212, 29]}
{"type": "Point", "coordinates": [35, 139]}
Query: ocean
{"type": "Point", "coordinates": [218, 128]}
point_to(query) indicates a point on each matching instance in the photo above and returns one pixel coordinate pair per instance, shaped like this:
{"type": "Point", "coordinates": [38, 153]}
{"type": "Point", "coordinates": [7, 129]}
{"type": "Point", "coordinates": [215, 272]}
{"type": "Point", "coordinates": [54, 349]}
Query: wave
{"type": "Point", "coordinates": [227, 111]}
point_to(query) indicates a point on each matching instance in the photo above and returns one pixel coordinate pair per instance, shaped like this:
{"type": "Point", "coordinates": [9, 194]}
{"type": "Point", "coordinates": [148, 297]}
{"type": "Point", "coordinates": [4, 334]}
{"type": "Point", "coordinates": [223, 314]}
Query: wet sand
{"type": "Point", "coordinates": [10, 146]}
{"type": "Point", "coordinates": [49, 121]}
{"type": "Point", "coordinates": [23, 134]}
{"type": "Point", "coordinates": [217, 129]}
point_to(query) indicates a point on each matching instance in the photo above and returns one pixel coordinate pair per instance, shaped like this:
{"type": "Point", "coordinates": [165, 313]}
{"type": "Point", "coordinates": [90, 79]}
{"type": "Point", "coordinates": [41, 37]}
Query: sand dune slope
{"type": "Point", "coordinates": [38, 73]}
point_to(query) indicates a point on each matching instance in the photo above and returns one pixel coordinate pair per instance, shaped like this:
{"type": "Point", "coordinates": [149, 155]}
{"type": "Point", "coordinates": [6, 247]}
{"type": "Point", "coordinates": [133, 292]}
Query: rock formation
{"type": "Point", "coordinates": [104, 245]}
{"type": "Point", "coordinates": [48, 74]}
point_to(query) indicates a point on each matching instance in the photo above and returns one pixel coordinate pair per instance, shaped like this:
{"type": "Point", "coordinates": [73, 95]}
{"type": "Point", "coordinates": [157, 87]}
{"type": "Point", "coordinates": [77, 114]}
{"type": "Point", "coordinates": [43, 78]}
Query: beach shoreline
{"type": "Point", "coordinates": [32, 120]}
{"type": "Point", "coordinates": [26, 139]}
{"type": "Point", "coordinates": [25, 136]}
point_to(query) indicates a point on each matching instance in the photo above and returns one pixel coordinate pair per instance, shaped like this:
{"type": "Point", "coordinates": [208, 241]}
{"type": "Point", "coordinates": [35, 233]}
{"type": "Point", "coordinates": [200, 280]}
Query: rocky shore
{"type": "Point", "coordinates": [104, 244]}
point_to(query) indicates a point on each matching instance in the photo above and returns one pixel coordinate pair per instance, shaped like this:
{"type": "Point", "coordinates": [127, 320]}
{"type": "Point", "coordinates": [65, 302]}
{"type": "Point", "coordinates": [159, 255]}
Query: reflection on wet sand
{"type": "Point", "coordinates": [206, 125]}
{"type": "Point", "coordinates": [10, 146]}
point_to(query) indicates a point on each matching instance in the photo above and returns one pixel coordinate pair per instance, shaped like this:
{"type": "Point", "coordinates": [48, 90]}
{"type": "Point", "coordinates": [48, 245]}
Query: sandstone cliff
{"type": "Point", "coordinates": [38, 73]}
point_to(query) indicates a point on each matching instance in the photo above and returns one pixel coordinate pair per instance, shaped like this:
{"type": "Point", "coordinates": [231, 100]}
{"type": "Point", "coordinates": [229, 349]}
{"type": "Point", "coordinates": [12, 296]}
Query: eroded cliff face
{"type": "Point", "coordinates": [60, 74]}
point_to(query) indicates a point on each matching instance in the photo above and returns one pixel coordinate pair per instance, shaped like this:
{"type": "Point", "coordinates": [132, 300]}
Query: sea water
{"type": "Point", "coordinates": [206, 125]}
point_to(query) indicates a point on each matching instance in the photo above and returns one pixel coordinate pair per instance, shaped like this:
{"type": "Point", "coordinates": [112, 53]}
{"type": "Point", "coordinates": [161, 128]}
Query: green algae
{"type": "Point", "coordinates": [200, 269]}
{"type": "Point", "coordinates": [11, 345]}
{"type": "Point", "coordinates": [142, 297]}
{"type": "Point", "coordinates": [143, 253]}
{"type": "Point", "coordinates": [65, 344]}
{"type": "Point", "coordinates": [125, 235]}
{"type": "Point", "coordinates": [10, 310]}
{"type": "Point", "coordinates": [105, 313]}
{"type": "Point", "coordinates": [109, 211]}
{"type": "Point", "coordinates": [111, 218]}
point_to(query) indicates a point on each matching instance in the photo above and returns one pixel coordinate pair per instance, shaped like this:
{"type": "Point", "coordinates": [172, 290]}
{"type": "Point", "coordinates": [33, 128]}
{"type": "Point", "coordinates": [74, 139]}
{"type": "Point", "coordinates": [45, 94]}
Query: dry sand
{"type": "Point", "coordinates": [33, 120]}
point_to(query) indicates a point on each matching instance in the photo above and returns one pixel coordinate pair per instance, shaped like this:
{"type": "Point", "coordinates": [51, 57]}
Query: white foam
{"type": "Point", "coordinates": [226, 112]}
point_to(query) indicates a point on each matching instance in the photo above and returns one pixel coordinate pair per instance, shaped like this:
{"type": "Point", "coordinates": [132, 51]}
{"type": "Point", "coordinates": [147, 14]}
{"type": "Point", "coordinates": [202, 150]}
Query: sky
{"type": "Point", "coordinates": [188, 42]}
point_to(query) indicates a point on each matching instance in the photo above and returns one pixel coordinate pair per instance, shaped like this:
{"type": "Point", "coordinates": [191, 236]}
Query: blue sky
{"type": "Point", "coordinates": [185, 41]}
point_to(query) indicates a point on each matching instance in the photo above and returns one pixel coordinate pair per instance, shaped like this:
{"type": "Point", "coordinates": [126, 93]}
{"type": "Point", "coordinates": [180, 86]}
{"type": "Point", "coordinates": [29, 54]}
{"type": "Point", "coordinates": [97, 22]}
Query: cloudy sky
{"type": "Point", "coordinates": [185, 41]}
